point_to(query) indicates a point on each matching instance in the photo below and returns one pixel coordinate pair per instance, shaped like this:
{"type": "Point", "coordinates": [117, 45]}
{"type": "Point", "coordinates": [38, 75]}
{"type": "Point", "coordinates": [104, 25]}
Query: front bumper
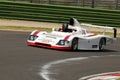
{"type": "Point", "coordinates": [48, 46]}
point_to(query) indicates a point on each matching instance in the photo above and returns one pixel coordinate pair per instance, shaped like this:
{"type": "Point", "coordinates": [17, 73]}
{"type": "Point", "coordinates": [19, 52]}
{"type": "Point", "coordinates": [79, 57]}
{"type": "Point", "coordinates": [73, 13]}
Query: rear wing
{"type": "Point", "coordinates": [102, 27]}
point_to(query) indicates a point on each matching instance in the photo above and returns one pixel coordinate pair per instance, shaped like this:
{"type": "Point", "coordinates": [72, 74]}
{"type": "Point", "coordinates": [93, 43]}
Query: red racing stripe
{"type": "Point", "coordinates": [66, 38]}
{"type": "Point", "coordinates": [36, 32]}
{"type": "Point", "coordinates": [91, 35]}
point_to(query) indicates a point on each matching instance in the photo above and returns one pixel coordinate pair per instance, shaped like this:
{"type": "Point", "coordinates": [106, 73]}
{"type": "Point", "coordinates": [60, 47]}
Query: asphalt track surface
{"type": "Point", "coordinates": [21, 62]}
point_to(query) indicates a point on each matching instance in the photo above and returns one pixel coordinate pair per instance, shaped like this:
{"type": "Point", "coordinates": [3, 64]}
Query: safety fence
{"type": "Point", "coordinates": [58, 14]}
{"type": "Point", "coordinates": [107, 4]}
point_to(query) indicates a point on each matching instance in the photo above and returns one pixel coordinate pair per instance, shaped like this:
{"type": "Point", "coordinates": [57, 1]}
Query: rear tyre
{"type": "Point", "coordinates": [101, 44]}
{"type": "Point", "coordinates": [75, 44]}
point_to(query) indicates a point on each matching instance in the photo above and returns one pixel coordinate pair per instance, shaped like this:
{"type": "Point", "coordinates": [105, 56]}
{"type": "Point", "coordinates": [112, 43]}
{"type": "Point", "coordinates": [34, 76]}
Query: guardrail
{"type": "Point", "coordinates": [58, 14]}
{"type": "Point", "coordinates": [106, 4]}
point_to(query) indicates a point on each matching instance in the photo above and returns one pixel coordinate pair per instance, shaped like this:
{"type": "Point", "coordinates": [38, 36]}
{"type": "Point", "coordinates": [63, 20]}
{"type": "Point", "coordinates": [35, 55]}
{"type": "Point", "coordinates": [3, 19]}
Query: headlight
{"type": "Point", "coordinates": [32, 38]}
{"type": "Point", "coordinates": [62, 42]}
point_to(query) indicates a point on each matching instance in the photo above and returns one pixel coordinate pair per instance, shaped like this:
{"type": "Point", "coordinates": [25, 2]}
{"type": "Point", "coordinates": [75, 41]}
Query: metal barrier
{"type": "Point", "coordinates": [107, 4]}
{"type": "Point", "coordinates": [58, 14]}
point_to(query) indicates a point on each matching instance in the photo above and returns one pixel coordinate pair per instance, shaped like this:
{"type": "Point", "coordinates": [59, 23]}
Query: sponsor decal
{"type": "Point", "coordinates": [46, 40]}
{"type": "Point", "coordinates": [94, 46]}
{"type": "Point", "coordinates": [103, 76]}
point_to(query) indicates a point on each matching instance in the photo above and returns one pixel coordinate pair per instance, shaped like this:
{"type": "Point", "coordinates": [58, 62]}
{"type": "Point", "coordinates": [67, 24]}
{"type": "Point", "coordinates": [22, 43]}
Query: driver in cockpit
{"type": "Point", "coordinates": [72, 26]}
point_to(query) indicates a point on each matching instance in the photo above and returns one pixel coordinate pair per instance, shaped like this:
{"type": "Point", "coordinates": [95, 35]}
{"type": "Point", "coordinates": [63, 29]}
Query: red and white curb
{"type": "Point", "coordinates": [103, 76]}
{"type": "Point", "coordinates": [45, 71]}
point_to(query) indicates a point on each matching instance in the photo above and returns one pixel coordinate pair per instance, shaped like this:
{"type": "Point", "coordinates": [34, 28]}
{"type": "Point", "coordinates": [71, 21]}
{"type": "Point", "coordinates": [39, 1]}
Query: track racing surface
{"type": "Point", "coordinates": [21, 62]}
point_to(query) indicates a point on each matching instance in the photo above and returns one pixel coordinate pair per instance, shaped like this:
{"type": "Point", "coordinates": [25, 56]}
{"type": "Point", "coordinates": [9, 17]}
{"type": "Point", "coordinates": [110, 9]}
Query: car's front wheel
{"type": "Point", "coordinates": [75, 44]}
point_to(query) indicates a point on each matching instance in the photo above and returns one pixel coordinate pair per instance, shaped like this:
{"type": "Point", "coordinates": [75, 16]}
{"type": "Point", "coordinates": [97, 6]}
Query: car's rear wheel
{"type": "Point", "coordinates": [75, 44]}
{"type": "Point", "coordinates": [102, 44]}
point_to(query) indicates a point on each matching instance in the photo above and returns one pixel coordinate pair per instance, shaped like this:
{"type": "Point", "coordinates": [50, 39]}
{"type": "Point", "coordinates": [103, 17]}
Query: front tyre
{"type": "Point", "coordinates": [101, 44]}
{"type": "Point", "coordinates": [75, 44]}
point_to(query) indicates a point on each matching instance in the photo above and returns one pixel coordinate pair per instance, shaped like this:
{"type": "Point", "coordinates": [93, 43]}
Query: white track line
{"type": "Point", "coordinates": [45, 70]}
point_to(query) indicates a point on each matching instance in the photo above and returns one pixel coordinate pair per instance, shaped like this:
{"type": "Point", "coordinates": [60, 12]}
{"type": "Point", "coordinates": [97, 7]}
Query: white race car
{"type": "Point", "coordinates": [70, 37]}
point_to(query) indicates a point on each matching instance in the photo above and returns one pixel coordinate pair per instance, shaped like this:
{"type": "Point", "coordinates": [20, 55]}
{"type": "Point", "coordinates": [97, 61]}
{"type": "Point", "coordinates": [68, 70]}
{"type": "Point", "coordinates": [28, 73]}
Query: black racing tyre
{"type": "Point", "coordinates": [75, 44]}
{"type": "Point", "coordinates": [101, 44]}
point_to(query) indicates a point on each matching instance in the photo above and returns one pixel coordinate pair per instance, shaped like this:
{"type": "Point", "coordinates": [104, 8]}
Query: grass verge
{"type": "Point", "coordinates": [19, 28]}
{"type": "Point", "coordinates": [118, 79]}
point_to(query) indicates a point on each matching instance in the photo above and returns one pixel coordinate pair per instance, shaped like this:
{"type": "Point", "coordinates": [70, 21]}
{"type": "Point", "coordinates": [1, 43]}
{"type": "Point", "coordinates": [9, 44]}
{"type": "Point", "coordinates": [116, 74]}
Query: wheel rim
{"type": "Point", "coordinates": [102, 44]}
{"type": "Point", "coordinates": [75, 44]}
{"type": "Point", "coordinates": [75, 47]}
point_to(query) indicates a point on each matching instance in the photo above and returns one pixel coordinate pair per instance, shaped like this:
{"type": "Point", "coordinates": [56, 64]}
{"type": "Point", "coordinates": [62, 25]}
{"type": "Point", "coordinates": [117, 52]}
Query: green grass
{"type": "Point", "coordinates": [3, 0]}
{"type": "Point", "coordinates": [118, 79]}
{"type": "Point", "coordinates": [19, 28]}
